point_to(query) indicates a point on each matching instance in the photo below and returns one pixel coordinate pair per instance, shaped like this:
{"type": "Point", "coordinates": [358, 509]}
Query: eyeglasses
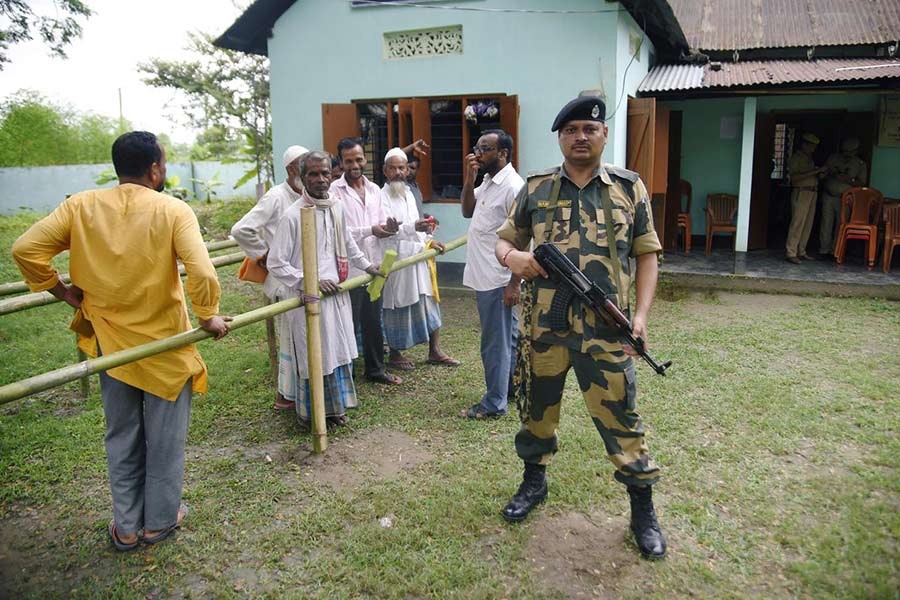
{"type": "Point", "coordinates": [482, 149]}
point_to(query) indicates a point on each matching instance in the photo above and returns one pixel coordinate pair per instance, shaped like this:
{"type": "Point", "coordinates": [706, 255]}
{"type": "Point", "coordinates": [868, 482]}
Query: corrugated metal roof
{"type": "Point", "coordinates": [746, 24]}
{"type": "Point", "coordinates": [764, 73]}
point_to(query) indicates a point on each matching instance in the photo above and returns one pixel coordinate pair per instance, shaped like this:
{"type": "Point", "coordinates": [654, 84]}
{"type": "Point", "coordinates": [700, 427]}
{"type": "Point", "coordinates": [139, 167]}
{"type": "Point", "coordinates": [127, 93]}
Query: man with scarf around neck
{"type": "Point", "coordinates": [411, 312]}
{"type": "Point", "coordinates": [336, 251]}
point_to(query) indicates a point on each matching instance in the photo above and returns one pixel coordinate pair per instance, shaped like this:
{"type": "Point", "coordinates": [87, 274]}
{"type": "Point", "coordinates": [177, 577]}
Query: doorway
{"type": "Point", "coordinates": [777, 133]}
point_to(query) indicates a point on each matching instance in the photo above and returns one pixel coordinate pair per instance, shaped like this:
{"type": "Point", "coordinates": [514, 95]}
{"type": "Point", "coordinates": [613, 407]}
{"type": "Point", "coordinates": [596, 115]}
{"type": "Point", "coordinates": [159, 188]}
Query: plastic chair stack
{"type": "Point", "coordinates": [860, 213]}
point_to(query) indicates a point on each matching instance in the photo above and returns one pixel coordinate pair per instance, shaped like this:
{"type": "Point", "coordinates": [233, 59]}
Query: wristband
{"type": "Point", "coordinates": [503, 258]}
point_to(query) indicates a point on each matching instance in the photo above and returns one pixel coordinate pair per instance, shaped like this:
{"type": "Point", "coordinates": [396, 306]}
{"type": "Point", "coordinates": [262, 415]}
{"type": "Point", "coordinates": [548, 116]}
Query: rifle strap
{"type": "Point", "coordinates": [606, 201]}
{"type": "Point", "coordinates": [551, 207]}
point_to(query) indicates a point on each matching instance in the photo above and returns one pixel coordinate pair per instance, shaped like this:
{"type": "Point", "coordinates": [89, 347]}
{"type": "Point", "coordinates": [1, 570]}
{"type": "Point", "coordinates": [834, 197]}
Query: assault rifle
{"type": "Point", "coordinates": [573, 283]}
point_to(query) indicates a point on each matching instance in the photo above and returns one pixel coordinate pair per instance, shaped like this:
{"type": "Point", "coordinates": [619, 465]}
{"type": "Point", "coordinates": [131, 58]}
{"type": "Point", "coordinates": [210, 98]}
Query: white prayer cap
{"type": "Point", "coordinates": [395, 152]}
{"type": "Point", "coordinates": [292, 154]}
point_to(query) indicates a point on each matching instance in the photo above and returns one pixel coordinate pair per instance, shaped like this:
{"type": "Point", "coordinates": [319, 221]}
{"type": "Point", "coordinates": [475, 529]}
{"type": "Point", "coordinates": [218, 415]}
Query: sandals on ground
{"type": "Point", "coordinates": [182, 513]}
{"type": "Point", "coordinates": [119, 544]}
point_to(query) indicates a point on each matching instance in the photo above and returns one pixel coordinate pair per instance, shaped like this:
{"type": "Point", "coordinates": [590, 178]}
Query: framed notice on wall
{"type": "Point", "coordinates": [889, 122]}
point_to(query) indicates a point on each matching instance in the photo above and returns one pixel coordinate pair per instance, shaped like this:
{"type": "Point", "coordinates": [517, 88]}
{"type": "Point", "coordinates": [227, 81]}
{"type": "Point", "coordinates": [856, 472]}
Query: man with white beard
{"type": "Point", "coordinates": [411, 313]}
{"type": "Point", "coordinates": [336, 251]}
{"type": "Point", "coordinates": [254, 233]}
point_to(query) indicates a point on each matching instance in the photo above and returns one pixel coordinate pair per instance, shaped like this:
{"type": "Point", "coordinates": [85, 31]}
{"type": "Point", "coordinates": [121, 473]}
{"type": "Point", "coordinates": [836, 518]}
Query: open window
{"type": "Point", "coordinates": [449, 125]}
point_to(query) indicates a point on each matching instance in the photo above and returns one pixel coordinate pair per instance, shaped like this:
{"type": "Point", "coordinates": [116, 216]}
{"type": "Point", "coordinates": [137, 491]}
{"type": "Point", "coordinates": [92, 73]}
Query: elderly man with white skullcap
{"type": "Point", "coordinates": [411, 312]}
{"type": "Point", "coordinates": [254, 233]}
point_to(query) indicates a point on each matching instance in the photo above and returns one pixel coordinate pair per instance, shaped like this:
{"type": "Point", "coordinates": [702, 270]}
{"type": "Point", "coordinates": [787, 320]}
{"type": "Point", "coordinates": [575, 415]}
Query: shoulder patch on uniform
{"type": "Point", "coordinates": [544, 172]}
{"type": "Point", "coordinates": [621, 173]}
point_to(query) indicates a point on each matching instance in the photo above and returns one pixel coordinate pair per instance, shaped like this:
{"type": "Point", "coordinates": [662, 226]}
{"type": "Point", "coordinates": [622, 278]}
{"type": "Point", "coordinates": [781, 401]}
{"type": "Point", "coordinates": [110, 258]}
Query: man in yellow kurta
{"type": "Point", "coordinates": [123, 245]}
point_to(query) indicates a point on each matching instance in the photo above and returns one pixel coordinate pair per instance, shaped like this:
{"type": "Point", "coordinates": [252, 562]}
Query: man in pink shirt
{"type": "Point", "coordinates": [364, 215]}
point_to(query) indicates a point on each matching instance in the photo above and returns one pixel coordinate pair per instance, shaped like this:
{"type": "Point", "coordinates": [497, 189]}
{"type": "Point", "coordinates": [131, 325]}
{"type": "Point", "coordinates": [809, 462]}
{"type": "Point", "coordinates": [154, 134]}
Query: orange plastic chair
{"type": "Point", "coordinates": [891, 233]}
{"type": "Point", "coordinates": [860, 213]}
{"type": "Point", "coordinates": [684, 215]}
{"type": "Point", "coordinates": [720, 211]}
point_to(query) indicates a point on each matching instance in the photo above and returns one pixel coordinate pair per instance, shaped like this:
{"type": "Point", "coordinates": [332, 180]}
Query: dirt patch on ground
{"type": "Point", "coordinates": [583, 556]}
{"type": "Point", "coordinates": [726, 307]}
{"type": "Point", "coordinates": [378, 454]}
{"type": "Point", "coordinates": [373, 455]}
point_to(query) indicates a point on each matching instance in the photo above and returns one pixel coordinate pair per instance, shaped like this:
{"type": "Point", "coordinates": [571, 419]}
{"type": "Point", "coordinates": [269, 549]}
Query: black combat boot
{"type": "Point", "coordinates": [531, 492]}
{"type": "Point", "coordinates": [647, 534]}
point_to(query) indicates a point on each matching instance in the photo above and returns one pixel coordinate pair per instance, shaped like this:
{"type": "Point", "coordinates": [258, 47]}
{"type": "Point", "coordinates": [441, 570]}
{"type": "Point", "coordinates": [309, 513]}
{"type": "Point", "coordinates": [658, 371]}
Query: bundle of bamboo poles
{"type": "Point", "coordinates": [18, 287]}
{"type": "Point", "coordinates": [44, 381]}
{"type": "Point", "coordinates": [27, 301]}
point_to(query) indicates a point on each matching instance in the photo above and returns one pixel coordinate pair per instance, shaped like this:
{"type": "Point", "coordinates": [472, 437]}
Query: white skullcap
{"type": "Point", "coordinates": [292, 154]}
{"type": "Point", "coordinates": [395, 152]}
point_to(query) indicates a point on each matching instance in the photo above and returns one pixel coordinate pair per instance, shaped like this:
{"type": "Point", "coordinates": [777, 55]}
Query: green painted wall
{"type": "Point", "coordinates": [324, 51]}
{"type": "Point", "coordinates": [713, 165]}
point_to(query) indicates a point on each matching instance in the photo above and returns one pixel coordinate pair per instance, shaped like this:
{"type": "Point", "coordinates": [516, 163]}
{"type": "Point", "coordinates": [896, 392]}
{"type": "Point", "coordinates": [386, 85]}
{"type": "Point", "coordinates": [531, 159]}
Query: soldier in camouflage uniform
{"type": "Point", "coordinates": [579, 207]}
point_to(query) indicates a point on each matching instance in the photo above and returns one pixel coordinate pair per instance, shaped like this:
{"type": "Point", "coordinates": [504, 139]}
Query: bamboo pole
{"type": "Point", "coordinates": [313, 329]}
{"type": "Point", "coordinates": [27, 301]}
{"type": "Point", "coordinates": [45, 381]}
{"type": "Point", "coordinates": [85, 382]}
{"type": "Point", "coordinates": [18, 287]}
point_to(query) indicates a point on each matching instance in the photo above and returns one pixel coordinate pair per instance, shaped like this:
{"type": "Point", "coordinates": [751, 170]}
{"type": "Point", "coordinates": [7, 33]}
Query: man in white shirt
{"type": "Point", "coordinates": [496, 290]}
{"type": "Point", "coordinates": [367, 222]}
{"type": "Point", "coordinates": [254, 234]}
{"type": "Point", "coordinates": [411, 314]}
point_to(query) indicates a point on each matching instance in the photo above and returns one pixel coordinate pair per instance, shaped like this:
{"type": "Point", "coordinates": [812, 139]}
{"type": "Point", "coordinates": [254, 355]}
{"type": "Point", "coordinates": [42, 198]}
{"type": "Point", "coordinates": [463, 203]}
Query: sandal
{"type": "Point", "coordinates": [477, 413]}
{"type": "Point", "coordinates": [386, 378]}
{"type": "Point", "coordinates": [154, 539]}
{"type": "Point", "coordinates": [282, 403]}
{"type": "Point", "coordinates": [119, 544]}
{"type": "Point", "coordinates": [444, 361]}
{"type": "Point", "coordinates": [403, 365]}
{"type": "Point", "coordinates": [336, 421]}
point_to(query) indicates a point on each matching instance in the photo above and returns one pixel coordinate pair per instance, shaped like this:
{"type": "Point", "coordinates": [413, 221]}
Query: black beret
{"type": "Point", "coordinates": [583, 108]}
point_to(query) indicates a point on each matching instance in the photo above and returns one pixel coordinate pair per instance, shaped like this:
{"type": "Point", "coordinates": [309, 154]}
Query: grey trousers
{"type": "Point", "coordinates": [145, 437]}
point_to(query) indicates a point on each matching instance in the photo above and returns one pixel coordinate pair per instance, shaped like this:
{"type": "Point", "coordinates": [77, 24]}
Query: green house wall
{"type": "Point", "coordinates": [324, 51]}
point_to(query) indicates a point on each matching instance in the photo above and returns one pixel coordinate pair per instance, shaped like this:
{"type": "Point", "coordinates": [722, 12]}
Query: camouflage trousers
{"type": "Point", "coordinates": [607, 381]}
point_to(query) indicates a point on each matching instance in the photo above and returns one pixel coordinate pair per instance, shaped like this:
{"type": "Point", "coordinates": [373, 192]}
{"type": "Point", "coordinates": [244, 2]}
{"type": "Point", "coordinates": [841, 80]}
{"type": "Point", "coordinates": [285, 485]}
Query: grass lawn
{"type": "Point", "coordinates": [777, 431]}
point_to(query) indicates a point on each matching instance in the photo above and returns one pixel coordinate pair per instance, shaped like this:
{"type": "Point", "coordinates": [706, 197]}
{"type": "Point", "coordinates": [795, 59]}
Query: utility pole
{"type": "Point", "coordinates": [121, 118]}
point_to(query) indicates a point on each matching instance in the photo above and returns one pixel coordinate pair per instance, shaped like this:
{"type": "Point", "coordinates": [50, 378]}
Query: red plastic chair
{"type": "Point", "coordinates": [684, 215]}
{"type": "Point", "coordinates": [891, 233]}
{"type": "Point", "coordinates": [720, 211]}
{"type": "Point", "coordinates": [860, 215]}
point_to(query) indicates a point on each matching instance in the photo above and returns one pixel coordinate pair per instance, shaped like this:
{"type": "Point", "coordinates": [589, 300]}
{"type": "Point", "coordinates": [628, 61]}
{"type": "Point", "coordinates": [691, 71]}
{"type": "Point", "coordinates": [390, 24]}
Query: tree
{"type": "Point", "coordinates": [36, 132]}
{"type": "Point", "coordinates": [216, 143]}
{"type": "Point", "coordinates": [32, 132]}
{"type": "Point", "coordinates": [223, 88]}
{"type": "Point", "coordinates": [58, 31]}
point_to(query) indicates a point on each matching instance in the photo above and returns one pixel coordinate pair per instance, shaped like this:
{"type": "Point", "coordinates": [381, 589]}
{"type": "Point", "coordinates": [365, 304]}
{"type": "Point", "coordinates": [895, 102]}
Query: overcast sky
{"type": "Point", "coordinates": [120, 34]}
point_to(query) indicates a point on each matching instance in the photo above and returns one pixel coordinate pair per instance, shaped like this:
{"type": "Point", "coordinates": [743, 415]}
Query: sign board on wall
{"type": "Point", "coordinates": [889, 122]}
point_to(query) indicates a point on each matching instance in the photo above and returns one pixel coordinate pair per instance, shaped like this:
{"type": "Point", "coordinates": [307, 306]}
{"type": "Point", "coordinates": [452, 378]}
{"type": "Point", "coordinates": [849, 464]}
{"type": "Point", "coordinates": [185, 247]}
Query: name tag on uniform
{"type": "Point", "coordinates": [559, 203]}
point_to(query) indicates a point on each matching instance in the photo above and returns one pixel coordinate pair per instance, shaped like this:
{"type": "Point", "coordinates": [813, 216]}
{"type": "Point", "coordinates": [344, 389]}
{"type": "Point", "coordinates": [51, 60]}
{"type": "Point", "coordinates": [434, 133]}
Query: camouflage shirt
{"type": "Point", "coordinates": [579, 230]}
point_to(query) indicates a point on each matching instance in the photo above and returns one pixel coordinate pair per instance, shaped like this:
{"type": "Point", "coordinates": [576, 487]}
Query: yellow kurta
{"type": "Point", "coordinates": [123, 244]}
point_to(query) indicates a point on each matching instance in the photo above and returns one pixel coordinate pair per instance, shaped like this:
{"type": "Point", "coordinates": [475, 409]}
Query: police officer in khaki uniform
{"type": "Point", "coordinates": [844, 170]}
{"type": "Point", "coordinates": [599, 215]}
{"type": "Point", "coordinates": [804, 177]}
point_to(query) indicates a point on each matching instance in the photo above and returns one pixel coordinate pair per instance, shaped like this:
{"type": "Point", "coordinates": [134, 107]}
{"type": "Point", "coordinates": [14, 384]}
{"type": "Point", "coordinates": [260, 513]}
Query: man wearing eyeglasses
{"type": "Point", "coordinates": [496, 290]}
{"type": "Point", "coordinates": [599, 216]}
